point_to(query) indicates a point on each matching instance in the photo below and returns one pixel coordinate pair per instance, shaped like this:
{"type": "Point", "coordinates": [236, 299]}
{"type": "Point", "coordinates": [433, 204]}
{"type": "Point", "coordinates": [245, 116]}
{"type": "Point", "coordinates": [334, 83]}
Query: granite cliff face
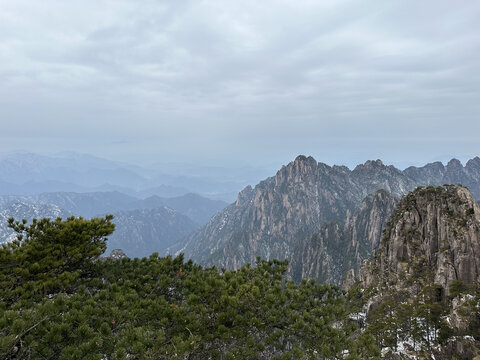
{"type": "Point", "coordinates": [433, 235]}
{"type": "Point", "coordinates": [269, 219]}
{"type": "Point", "coordinates": [329, 254]}
{"type": "Point", "coordinates": [315, 215]}
{"type": "Point", "coordinates": [364, 228]}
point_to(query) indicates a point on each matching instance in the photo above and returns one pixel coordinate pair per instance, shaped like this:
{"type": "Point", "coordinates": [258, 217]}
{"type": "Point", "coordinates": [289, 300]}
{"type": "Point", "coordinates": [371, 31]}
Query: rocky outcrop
{"type": "Point", "coordinates": [434, 235]}
{"type": "Point", "coordinates": [117, 254]}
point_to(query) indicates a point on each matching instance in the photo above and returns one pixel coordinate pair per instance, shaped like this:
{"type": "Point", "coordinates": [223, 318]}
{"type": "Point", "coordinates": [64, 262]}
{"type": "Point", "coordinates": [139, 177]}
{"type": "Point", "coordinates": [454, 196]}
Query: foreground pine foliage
{"type": "Point", "coordinates": [58, 300]}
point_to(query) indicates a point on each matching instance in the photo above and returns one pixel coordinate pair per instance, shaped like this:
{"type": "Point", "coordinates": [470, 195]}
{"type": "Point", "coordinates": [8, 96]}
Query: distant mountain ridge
{"type": "Point", "coordinates": [453, 173]}
{"type": "Point", "coordinates": [272, 219]}
{"type": "Point", "coordinates": [141, 232]}
{"type": "Point", "coordinates": [24, 173]}
{"type": "Point", "coordinates": [80, 204]}
{"type": "Point", "coordinates": [143, 226]}
{"type": "Point", "coordinates": [82, 170]}
{"type": "Point", "coordinates": [198, 208]}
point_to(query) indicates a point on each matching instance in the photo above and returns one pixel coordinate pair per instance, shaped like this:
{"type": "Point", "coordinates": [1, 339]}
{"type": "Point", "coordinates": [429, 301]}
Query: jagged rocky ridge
{"type": "Point", "coordinates": [453, 173]}
{"type": "Point", "coordinates": [434, 234]}
{"type": "Point", "coordinates": [311, 213]}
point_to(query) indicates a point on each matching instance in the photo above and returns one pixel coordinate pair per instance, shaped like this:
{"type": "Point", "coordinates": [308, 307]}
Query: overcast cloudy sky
{"type": "Point", "coordinates": [248, 81]}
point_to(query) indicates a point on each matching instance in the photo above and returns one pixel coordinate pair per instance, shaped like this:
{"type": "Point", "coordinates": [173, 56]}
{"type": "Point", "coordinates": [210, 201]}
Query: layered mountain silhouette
{"type": "Point", "coordinates": [24, 173]}
{"type": "Point", "coordinates": [143, 226]}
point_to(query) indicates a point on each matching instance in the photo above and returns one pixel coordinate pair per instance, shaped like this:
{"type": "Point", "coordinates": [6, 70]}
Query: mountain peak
{"type": "Point", "coordinates": [304, 159]}
{"type": "Point", "coordinates": [245, 195]}
{"type": "Point", "coordinates": [301, 165]}
{"type": "Point", "coordinates": [454, 163]}
{"type": "Point", "coordinates": [373, 163]}
{"type": "Point", "coordinates": [370, 164]}
{"type": "Point", "coordinates": [475, 162]}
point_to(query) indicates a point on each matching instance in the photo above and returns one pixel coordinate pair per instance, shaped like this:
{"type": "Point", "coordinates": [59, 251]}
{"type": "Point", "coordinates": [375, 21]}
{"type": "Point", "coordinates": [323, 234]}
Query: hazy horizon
{"type": "Point", "coordinates": [247, 83]}
{"type": "Point", "coordinates": [271, 165]}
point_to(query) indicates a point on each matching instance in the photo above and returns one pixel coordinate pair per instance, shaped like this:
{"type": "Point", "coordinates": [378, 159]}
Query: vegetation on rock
{"type": "Point", "coordinates": [421, 289]}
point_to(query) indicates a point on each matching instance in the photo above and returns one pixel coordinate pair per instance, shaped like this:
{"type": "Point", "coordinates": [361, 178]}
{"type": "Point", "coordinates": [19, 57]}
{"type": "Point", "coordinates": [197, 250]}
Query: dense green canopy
{"type": "Point", "coordinates": [59, 300]}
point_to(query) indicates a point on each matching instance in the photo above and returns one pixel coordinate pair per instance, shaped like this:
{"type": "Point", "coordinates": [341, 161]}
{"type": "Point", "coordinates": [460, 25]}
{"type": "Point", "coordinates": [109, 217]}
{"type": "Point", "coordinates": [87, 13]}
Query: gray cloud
{"type": "Point", "coordinates": [341, 80]}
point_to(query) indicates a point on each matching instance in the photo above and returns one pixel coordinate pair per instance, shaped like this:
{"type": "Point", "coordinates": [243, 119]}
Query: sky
{"type": "Point", "coordinates": [247, 82]}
